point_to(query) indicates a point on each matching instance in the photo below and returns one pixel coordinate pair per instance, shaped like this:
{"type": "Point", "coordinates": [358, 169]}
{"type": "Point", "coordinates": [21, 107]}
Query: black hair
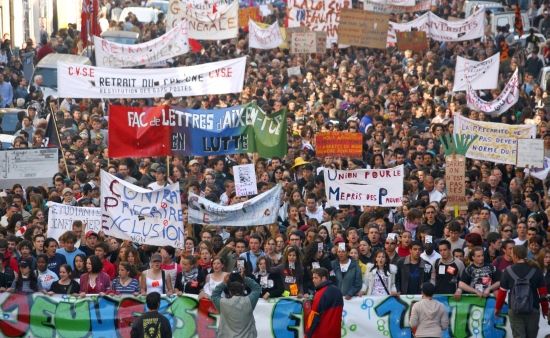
{"type": "Point", "coordinates": [170, 250]}
{"type": "Point", "coordinates": [67, 268]}
{"type": "Point", "coordinates": [97, 265]}
{"type": "Point", "coordinates": [428, 289]}
{"type": "Point", "coordinates": [153, 300]}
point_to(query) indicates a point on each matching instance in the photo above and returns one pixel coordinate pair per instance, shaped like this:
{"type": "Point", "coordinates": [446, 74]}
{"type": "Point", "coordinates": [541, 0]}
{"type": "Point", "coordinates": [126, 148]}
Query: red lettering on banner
{"type": "Point", "coordinates": [206, 321]}
{"type": "Point", "coordinates": [126, 310]}
{"type": "Point", "coordinates": [221, 72]}
{"type": "Point", "coordinates": [81, 71]}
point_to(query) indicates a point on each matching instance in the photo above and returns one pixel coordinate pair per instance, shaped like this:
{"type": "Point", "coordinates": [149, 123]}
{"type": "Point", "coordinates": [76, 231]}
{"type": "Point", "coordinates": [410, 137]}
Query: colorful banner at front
{"type": "Point", "coordinates": [40, 315]}
{"type": "Point", "coordinates": [317, 16]}
{"type": "Point", "coordinates": [138, 131]}
{"type": "Point", "coordinates": [373, 187]}
{"type": "Point", "coordinates": [439, 29]}
{"type": "Point", "coordinates": [260, 210]}
{"type": "Point", "coordinates": [82, 81]}
{"type": "Point", "coordinates": [212, 20]}
{"type": "Point", "coordinates": [141, 215]}
{"type": "Point", "coordinates": [231, 130]}
{"type": "Point", "coordinates": [118, 55]}
{"type": "Point", "coordinates": [506, 99]}
{"type": "Point", "coordinates": [496, 142]}
{"type": "Point", "coordinates": [61, 218]}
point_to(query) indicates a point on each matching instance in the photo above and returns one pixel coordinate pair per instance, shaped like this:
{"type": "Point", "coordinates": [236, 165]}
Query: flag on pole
{"type": "Point", "coordinates": [51, 137]}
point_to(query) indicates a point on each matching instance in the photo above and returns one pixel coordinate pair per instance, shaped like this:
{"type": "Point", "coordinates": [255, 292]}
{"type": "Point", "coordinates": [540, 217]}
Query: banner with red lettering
{"type": "Point", "coordinates": [372, 187]}
{"type": "Point", "coordinates": [118, 55]}
{"type": "Point", "coordinates": [507, 98]}
{"type": "Point", "coordinates": [81, 81]}
{"type": "Point", "coordinates": [138, 132]}
{"type": "Point", "coordinates": [213, 20]}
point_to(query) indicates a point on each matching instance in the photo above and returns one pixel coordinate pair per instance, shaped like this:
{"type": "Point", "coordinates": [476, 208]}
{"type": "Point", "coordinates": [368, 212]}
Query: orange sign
{"type": "Point", "coordinates": [252, 13]}
{"type": "Point", "coordinates": [415, 41]}
{"type": "Point", "coordinates": [339, 144]}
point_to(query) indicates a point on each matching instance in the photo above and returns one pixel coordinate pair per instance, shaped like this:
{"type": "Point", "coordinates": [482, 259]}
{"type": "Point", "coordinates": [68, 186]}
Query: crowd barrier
{"type": "Point", "coordinates": [39, 315]}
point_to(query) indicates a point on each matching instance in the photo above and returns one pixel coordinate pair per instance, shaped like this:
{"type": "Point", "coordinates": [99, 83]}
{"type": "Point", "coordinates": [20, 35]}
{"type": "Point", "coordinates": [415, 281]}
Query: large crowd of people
{"type": "Point", "coordinates": [401, 103]}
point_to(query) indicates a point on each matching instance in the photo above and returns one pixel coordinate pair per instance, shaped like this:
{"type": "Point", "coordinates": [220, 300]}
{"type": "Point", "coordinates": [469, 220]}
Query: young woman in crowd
{"type": "Point", "coordinates": [188, 279]}
{"type": "Point", "coordinates": [94, 281]}
{"type": "Point", "coordinates": [379, 277]}
{"type": "Point", "coordinates": [45, 276]}
{"type": "Point", "coordinates": [214, 278]}
{"type": "Point", "coordinates": [79, 267]}
{"type": "Point", "coordinates": [292, 271]}
{"type": "Point", "coordinates": [66, 285]}
{"type": "Point", "coordinates": [125, 283]}
{"type": "Point", "coordinates": [155, 279]}
{"type": "Point", "coordinates": [271, 283]}
{"type": "Point", "coordinates": [26, 281]}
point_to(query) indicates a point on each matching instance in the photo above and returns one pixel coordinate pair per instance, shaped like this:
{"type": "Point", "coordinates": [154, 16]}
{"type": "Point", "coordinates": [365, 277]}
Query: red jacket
{"type": "Point", "coordinates": [109, 268]}
{"type": "Point", "coordinates": [325, 318]}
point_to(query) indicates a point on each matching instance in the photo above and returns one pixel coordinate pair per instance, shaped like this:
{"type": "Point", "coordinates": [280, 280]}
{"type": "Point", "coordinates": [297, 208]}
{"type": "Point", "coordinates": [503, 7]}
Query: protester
{"type": "Point", "coordinates": [152, 323]}
{"type": "Point", "coordinates": [325, 318]}
{"type": "Point", "coordinates": [94, 281]}
{"type": "Point", "coordinates": [155, 279]}
{"type": "Point", "coordinates": [125, 283]}
{"type": "Point", "coordinates": [66, 285]}
{"type": "Point", "coordinates": [429, 318]}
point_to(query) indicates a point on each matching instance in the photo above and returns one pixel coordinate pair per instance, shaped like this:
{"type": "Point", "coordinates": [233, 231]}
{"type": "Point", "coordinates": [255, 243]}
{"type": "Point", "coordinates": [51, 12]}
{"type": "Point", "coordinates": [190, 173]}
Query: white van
{"type": "Point", "coordinates": [508, 18]}
{"type": "Point", "coordinates": [470, 6]}
{"type": "Point", "coordinates": [47, 67]}
{"type": "Point", "coordinates": [143, 14]}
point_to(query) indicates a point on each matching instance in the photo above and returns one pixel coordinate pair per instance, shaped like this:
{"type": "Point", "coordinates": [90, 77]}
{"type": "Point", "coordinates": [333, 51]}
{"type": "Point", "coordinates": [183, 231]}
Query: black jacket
{"type": "Point", "coordinates": [151, 325]}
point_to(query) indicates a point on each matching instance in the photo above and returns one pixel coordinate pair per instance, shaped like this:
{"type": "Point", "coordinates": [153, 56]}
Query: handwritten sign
{"type": "Point", "coordinates": [362, 28]}
{"type": "Point", "coordinates": [293, 71]}
{"type": "Point", "coordinates": [339, 144]}
{"type": "Point", "coordinates": [61, 218]}
{"type": "Point", "coordinates": [303, 43]}
{"type": "Point", "coordinates": [455, 173]}
{"type": "Point", "coordinates": [245, 180]}
{"type": "Point", "coordinates": [530, 153]}
{"type": "Point", "coordinates": [141, 215]}
{"type": "Point", "coordinates": [415, 41]}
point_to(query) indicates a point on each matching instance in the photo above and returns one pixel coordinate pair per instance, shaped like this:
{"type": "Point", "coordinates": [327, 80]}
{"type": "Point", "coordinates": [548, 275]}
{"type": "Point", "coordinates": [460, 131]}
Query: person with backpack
{"type": "Point", "coordinates": [527, 290]}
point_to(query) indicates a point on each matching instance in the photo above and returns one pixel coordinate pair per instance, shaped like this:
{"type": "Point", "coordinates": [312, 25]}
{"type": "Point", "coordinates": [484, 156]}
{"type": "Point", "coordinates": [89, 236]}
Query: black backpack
{"type": "Point", "coordinates": [521, 297]}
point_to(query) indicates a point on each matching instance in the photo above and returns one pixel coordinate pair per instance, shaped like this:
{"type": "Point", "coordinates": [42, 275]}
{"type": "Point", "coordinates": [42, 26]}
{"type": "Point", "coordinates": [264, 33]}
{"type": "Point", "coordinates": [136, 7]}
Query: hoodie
{"type": "Point", "coordinates": [429, 317]}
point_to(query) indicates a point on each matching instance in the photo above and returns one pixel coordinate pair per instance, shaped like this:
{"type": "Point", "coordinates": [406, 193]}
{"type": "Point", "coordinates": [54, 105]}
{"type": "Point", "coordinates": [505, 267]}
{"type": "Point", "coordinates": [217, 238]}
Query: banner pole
{"type": "Point", "coordinates": [59, 138]}
{"type": "Point", "coordinates": [167, 166]}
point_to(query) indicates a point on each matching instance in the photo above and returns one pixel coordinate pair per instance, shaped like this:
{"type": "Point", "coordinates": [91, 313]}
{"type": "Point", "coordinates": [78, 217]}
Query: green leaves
{"type": "Point", "coordinates": [456, 144]}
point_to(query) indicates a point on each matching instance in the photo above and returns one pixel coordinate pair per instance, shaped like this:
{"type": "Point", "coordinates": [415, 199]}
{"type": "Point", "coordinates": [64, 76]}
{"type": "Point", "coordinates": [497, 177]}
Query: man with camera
{"type": "Point", "coordinates": [236, 311]}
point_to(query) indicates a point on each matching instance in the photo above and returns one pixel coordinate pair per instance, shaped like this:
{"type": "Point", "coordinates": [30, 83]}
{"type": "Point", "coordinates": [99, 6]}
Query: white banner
{"type": "Point", "coordinates": [141, 215]}
{"type": "Point", "coordinates": [245, 180]}
{"type": "Point", "coordinates": [117, 55]}
{"type": "Point", "coordinates": [373, 187]}
{"type": "Point", "coordinates": [395, 2]}
{"type": "Point", "coordinates": [507, 98]}
{"type": "Point", "coordinates": [213, 20]}
{"type": "Point", "coordinates": [540, 173]}
{"type": "Point", "coordinates": [61, 218]}
{"type": "Point", "coordinates": [81, 81]}
{"type": "Point", "coordinates": [440, 29]}
{"type": "Point", "coordinates": [28, 167]}
{"type": "Point", "coordinates": [264, 38]}
{"type": "Point", "coordinates": [176, 12]}
{"type": "Point", "coordinates": [496, 142]}
{"type": "Point", "coordinates": [262, 209]}
{"type": "Point", "coordinates": [476, 74]}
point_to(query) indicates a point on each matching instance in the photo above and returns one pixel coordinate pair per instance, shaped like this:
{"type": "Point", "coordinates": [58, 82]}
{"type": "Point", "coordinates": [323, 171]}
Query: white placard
{"type": "Point", "coordinates": [428, 239]}
{"type": "Point", "coordinates": [61, 218]}
{"type": "Point", "coordinates": [291, 71]}
{"type": "Point", "coordinates": [28, 167]}
{"type": "Point", "coordinates": [476, 74]}
{"type": "Point", "coordinates": [212, 20]}
{"type": "Point", "coordinates": [530, 153]}
{"type": "Point", "coordinates": [140, 215]}
{"type": "Point", "coordinates": [82, 81]}
{"type": "Point", "coordinates": [118, 55]}
{"type": "Point", "coordinates": [245, 180]}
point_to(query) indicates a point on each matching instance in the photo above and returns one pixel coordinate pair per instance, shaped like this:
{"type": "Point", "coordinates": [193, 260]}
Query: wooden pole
{"type": "Point", "coordinates": [59, 138]}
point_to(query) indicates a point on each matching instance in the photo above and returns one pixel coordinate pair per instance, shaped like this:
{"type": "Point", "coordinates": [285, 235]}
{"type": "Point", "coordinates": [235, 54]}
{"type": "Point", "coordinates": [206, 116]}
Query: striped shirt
{"type": "Point", "coordinates": [132, 287]}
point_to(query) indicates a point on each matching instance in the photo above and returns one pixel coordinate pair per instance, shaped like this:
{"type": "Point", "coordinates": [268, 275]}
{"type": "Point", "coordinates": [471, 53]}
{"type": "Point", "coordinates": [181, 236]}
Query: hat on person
{"type": "Point", "coordinates": [67, 190]}
{"type": "Point", "coordinates": [192, 162]}
{"type": "Point", "coordinates": [99, 136]}
{"type": "Point", "coordinates": [83, 134]}
{"type": "Point", "coordinates": [156, 258]}
{"type": "Point", "coordinates": [25, 263]}
{"type": "Point", "coordinates": [20, 102]}
{"type": "Point", "coordinates": [91, 233]}
{"type": "Point", "coordinates": [161, 169]}
{"type": "Point", "coordinates": [298, 162]}
{"type": "Point", "coordinates": [154, 166]}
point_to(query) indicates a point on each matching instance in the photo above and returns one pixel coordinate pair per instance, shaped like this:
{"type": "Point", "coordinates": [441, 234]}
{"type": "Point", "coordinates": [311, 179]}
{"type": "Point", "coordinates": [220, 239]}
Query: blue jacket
{"type": "Point", "coordinates": [349, 283]}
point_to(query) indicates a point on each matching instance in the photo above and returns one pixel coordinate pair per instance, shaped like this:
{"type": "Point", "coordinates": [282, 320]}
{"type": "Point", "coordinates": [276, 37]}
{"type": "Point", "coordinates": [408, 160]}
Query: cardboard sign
{"type": "Point", "coordinates": [415, 41]}
{"type": "Point", "coordinates": [530, 153]}
{"type": "Point", "coordinates": [362, 28]}
{"type": "Point", "coordinates": [303, 43]}
{"type": "Point", "coordinates": [455, 169]}
{"type": "Point", "coordinates": [340, 144]}
{"type": "Point", "coordinates": [293, 71]}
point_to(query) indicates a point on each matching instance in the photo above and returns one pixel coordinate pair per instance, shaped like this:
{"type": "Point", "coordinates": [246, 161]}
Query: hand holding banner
{"type": "Point", "coordinates": [61, 218]}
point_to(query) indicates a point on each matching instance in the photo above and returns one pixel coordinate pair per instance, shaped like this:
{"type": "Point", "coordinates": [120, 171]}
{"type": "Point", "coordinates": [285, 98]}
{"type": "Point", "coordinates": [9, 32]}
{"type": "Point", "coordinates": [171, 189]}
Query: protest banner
{"type": "Point", "coordinates": [140, 215]}
{"type": "Point", "coordinates": [365, 187]}
{"type": "Point", "coordinates": [381, 7]}
{"type": "Point", "coordinates": [29, 167]}
{"type": "Point", "coordinates": [440, 29]}
{"type": "Point", "coordinates": [61, 218]}
{"type": "Point", "coordinates": [362, 28]}
{"type": "Point", "coordinates": [540, 172]}
{"type": "Point", "coordinates": [476, 74]}
{"type": "Point", "coordinates": [530, 153]}
{"type": "Point", "coordinates": [339, 144]}
{"type": "Point", "coordinates": [264, 38]}
{"type": "Point", "coordinates": [245, 180]}
{"type": "Point", "coordinates": [117, 55]}
{"type": "Point", "coordinates": [504, 101]}
{"type": "Point", "coordinates": [139, 131]}
{"type": "Point", "coordinates": [40, 315]}
{"type": "Point", "coordinates": [247, 14]}
{"type": "Point", "coordinates": [455, 181]}
{"type": "Point", "coordinates": [303, 43]}
{"type": "Point", "coordinates": [231, 130]}
{"type": "Point", "coordinates": [398, 3]}
{"type": "Point", "coordinates": [82, 81]}
{"type": "Point", "coordinates": [212, 20]}
{"type": "Point", "coordinates": [260, 210]}
{"type": "Point", "coordinates": [496, 142]}
{"type": "Point", "coordinates": [317, 16]}
{"type": "Point", "coordinates": [415, 41]}
{"type": "Point", "coordinates": [175, 13]}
